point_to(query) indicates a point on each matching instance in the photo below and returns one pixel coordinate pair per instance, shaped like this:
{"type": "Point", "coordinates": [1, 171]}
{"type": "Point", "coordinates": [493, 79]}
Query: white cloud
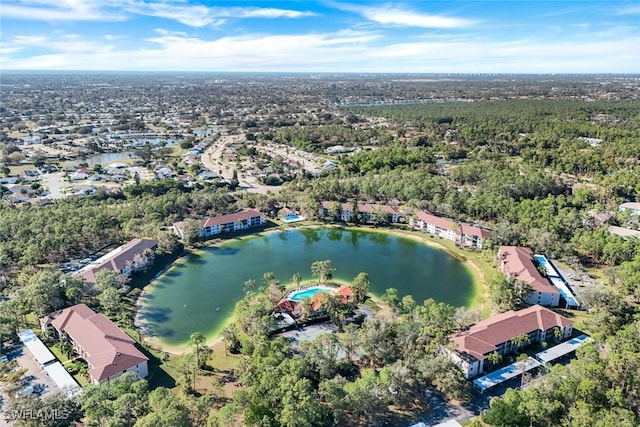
{"type": "Point", "coordinates": [256, 12]}
{"type": "Point", "coordinates": [200, 16]}
{"type": "Point", "coordinates": [628, 10]}
{"type": "Point", "coordinates": [68, 10]}
{"type": "Point", "coordinates": [66, 43]}
{"type": "Point", "coordinates": [342, 51]}
{"type": "Point", "coordinates": [193, 15]}
{"type": "Point", "coordinates": [9, 48]}
{"type": "Point", "coordinates": [399, 15]}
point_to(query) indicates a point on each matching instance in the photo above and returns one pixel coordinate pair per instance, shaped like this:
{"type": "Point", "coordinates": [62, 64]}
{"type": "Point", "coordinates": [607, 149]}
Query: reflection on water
{"type": "Point", "coordinates": [200, 294]}
{"type": "Point", "coordinates": [334, 234]}
{"type": "Point", "coordinates": [103, 159]}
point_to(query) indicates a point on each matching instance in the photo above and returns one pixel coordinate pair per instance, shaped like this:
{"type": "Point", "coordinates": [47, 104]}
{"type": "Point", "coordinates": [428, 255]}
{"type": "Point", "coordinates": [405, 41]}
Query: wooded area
{"type": "Point", "coordinates": [547, 174]}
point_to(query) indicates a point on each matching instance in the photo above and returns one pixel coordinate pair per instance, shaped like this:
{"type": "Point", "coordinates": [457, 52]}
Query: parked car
{"type": "Point", "coordinates": [25, 391]}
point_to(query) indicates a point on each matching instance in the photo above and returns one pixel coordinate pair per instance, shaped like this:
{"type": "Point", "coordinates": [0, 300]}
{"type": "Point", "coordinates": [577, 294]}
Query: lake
{"type": "Point", "coordinates": [199, 295]}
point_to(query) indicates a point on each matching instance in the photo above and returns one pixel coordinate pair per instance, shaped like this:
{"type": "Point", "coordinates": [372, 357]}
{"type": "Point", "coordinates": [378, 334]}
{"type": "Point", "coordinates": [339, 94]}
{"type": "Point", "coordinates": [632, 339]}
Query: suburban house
{"type": "Point", "coordinates": [80, 174]}
{"type": "Point", "coordinates": [517, 262]}
{"type": "Point", "coordinates": [461, 234]}
{"type": "Point", "coordinates": [367, 211]}
{"type": "Point", "coordinates": [127, 259]}
{"type": "Point", "coordinates": [213, 225]}
{"type": "Point", "coordinates": [107, 349]}
{"type": "Point", "coordinates": [504, 334]}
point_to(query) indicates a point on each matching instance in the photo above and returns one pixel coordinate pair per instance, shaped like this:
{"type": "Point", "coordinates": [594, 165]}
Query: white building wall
{"type": "Point", "coordinates": [469, 369]}
{"type": "Point", "coordinates": [141, 369]}
{"type": "Point", "coordinates": [547, 299]}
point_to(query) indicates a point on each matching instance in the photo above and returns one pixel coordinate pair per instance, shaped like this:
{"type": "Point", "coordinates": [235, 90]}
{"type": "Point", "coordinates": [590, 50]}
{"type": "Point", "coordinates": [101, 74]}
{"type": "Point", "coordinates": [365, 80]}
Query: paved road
{"type": "Point", "coordinates": [211, 160]}
{"type": "Point", "coordinates": [54, 182]}
{"type": "Point", "coordinates": [211, 157]}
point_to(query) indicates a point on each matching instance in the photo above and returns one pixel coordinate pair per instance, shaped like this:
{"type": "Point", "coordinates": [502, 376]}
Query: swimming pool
{"type": "Point", "coordinates": [305, 294]}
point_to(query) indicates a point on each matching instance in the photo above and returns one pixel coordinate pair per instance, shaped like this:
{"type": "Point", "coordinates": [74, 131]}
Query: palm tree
{"type": "Point", "coordinates": [297, 278]}
{"type": "Point", "coordinates": [557, 333]}
{"type": "Point", "coordinates": [494, 358]}
{"type": "Point", "coordinates": [227, 335]}
{"type": "Point", "coordinates": [197, 340]}
{"type": "Point", "coordinates": [521, 340]}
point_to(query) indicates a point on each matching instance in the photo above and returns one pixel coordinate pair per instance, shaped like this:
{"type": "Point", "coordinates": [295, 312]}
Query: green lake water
{"type": "Point", "coordinates": [200, 294]}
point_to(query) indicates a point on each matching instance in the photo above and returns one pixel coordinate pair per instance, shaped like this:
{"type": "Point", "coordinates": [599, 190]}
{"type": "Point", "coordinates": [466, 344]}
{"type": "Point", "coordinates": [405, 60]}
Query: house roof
{"type": "Point", "coordinates": [287, 305]}
{"type": "Point", "coordinates": [631, 205]}
{"type": "Point", "coordinates": [317, 300]}
{"type": "Point", "coordinates": [345, 291]}
{"type": "Point", "coordinates": [517, 261]}
{"type": "Point", "coordinates": [225, 219]}
{"type": "Point", "coordinates": [108, 349]}
{"type": "Point", "coordinates": [483, 337]}
{"type": "Point", "coordinates": [440, 222]}
{"type": "Point", "coordinates": [624, 232]}
{"type": "Point", "coordinates": [326, 204]}
{"type": "Point", "coordinates": [448, 224]}
{"type": "Point", "coordinates": [366, 207]}
{"type": "Point", "coordinates": [471, 230]}
{"type": "Point", "coordinates": [117, 259]}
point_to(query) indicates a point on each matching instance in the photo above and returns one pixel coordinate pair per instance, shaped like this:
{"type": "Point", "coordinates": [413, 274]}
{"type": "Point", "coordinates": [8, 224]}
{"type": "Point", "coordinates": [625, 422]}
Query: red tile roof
{"type": "Point", "coordinates": [517, 261]}
{"type": "Point", "coordinates": [117, 259]}
{"type": "Point", "coordinates": [287, 305]}
{"type": "Point", "coordinates": [245, 214]}
{"type": "Point", "coordinates": [109, 350]}
{"type": "Point", "coordinates": [440, 222]}
{"type": "Point", "coordinates": [448, 224]}
{"type": "Point", "coordinates": [345, 292]}
{"type": "Point", "coordinates": [228, 218]}
{"type": "Point", "coordinates": [483, 337]}
{"type": "Point", "coordinates": [471, 230]}
{"type": "Point", "coordinates": [317, 300]}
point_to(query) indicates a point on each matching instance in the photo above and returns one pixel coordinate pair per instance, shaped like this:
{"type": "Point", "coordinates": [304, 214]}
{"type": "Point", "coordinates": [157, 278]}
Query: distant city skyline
{"type": "Point", "coordinates": [321, 36]}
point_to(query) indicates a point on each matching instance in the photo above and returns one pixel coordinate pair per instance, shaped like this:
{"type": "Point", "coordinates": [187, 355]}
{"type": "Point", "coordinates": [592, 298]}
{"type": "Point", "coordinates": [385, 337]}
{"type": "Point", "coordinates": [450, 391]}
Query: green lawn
{"type": "Point", "coordinates": [56, 352]}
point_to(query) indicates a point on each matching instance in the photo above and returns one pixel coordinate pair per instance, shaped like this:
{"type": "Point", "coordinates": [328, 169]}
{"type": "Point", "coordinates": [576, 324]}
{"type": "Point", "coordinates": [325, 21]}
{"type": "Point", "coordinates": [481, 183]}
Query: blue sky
{"type": "Point", "coordinates": [322, 36]}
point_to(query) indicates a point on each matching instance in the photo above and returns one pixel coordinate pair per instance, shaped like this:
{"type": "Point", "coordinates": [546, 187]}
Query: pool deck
{"type": "Point", "coordinates": [294, 219]}
{"type": "Point", "coordinates": [292, 292]}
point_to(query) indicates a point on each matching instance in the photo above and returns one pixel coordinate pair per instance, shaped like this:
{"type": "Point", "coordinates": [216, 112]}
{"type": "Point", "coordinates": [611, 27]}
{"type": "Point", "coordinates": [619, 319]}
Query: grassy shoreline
{"type": "Point", "coordinates": [478, 267]}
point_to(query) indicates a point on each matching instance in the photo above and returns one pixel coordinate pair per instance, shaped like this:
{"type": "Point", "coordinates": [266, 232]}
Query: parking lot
{"type": "Point", "coordinates": [35, 375]}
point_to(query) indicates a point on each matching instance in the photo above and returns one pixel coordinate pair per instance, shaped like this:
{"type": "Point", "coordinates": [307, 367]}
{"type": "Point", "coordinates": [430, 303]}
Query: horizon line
{"type": "Point", "coordinates": [498, 73]}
